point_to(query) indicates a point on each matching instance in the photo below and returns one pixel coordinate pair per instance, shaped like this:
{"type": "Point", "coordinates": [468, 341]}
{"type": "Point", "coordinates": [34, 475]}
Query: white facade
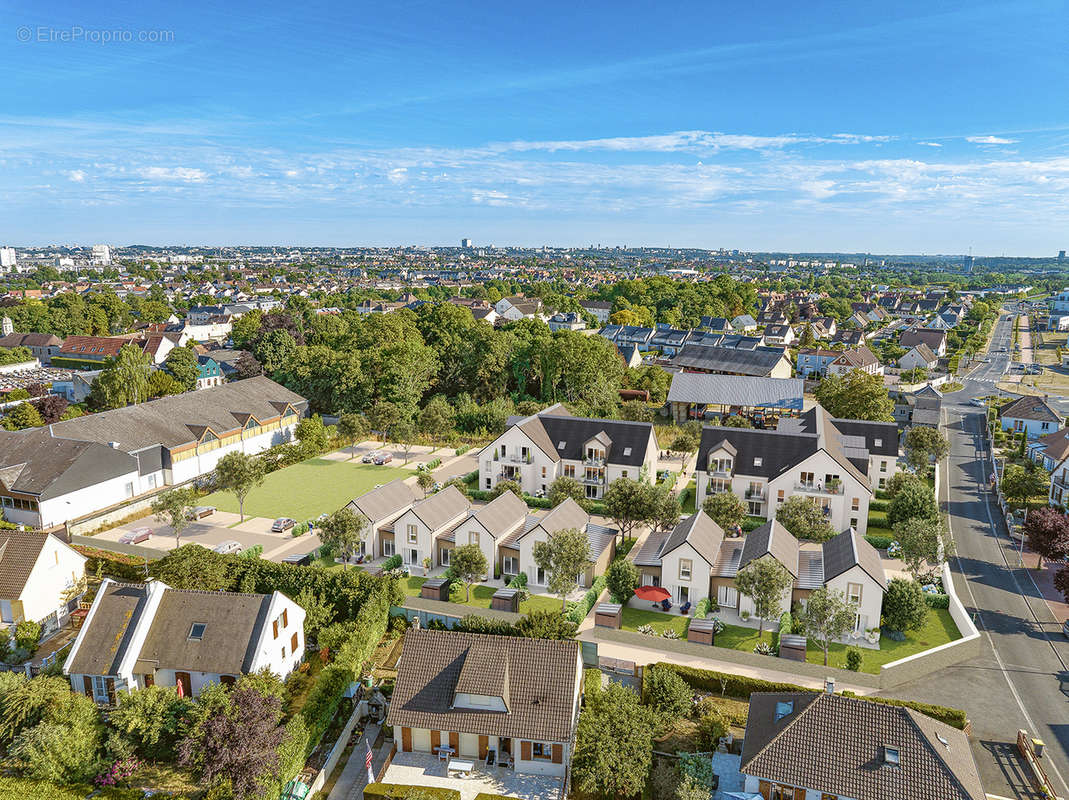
{"type": "Point", "coordinates": [7, 258]}
{"type": "Point", "coordinates": [859, 587]}
{"type": "Point", "coordinates": [685, 574]}
{"type": "Point", "coordinates": [1033, 427]}
{"type": "Point", "coordinates": [101, 254]}
{"type": "Point", "coordinates": [47, 596]}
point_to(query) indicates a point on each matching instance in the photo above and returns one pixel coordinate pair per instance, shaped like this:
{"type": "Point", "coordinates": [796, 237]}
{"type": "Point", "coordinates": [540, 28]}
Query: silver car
{"type": "Point", "coordinates": [228, 547]}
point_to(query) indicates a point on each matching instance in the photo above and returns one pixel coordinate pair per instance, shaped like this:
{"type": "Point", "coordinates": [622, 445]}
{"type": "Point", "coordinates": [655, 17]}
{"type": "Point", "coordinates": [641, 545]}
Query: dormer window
{"type": "Point", "coordinates": [891, 756]}
{"type": "Point", "coordinates": [784, 708]}
{"type": "Point", "coordinates": [196, 631]}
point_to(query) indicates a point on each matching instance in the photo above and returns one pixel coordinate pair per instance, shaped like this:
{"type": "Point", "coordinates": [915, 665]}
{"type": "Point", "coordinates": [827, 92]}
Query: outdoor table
{"type": "Point", "coordinates": [444, 752]}
{"type": "Point", "coordinates": [457, 765]}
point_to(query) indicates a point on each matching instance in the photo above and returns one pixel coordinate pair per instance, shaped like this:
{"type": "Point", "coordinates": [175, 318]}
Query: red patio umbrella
{"type": "Point", "coordinates": [653, 594]}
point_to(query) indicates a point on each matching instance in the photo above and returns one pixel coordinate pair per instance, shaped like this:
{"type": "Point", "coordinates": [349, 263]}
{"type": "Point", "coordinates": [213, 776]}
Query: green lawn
{"type": "Point", "coordinates": [480, 597]}
{"type": "Point", "coordinates": [878, 519]}
{"type": "Point", "coordinates": [306, 490]}
{"type": "Point", "coordinates": [939, 629]}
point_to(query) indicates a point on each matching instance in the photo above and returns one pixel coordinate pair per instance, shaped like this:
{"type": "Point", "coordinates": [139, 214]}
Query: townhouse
{"type": "Point", "coordinates": [858, 358]}
{"type": "Point", "coordinates": [138, 635]}
{"type": "Point", "coordinates": [536, 450]}
{"type": "Point", "coordinates": [415, 532]}
{"type": "Point", "coordinates": [919, 356]}
{"type": "Point", "coordinates": [1031, 415]}
{"type": "Point", "coordinates": [779, 335]}
{"type": "Point", "coordinates": [836, 464]}
{"type": "Point", "coordinates": [599, 309]}
{"type": "Point", "coordinates": [381, 507]}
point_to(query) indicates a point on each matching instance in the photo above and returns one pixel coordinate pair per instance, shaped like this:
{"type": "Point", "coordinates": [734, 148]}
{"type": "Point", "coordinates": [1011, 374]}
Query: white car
{"type": "Point", "coordinates": [228, 547]}
{"type": "Point", "coordinates": [978, 401]}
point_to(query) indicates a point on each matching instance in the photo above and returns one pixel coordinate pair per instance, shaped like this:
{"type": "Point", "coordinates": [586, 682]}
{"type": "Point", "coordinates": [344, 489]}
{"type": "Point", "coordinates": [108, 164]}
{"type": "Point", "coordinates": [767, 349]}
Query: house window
{"type": "Point", "coordinates": [489, 483]}
{"type": "Point", "coordinates": [293, 643]}
{"type": "Point", "coordinates": [853, 522]}
{"type": "Point", "coordinates": [196, 631]}
{"type": "Point", "coordinates": [853, 592]}
{"type": "Point", "coordinates": [524, 453]}
{"type": "Point", "coordinates": [283, 653]}
{"type": "Point", "coordinates": [883, 466]}
{"type": "Point", "coordinates": [855, 504]}
{"type": "Point", "coordinates": [569, 470]}
{"type": "Point", "coordinates": [779, 496]}
{"type": "Point", "coordinates": [444, 557]}
{"type": "Point", "coordinates": [685, 566]}
{"type": "Point", "coordinates": [778, 792]}
{"type": "Point", "coordinates": [878, 442]}
{"type": "Point", "coordinates": [807, 478]}
{"type": "Point", "coordinates": [285, 617]}
{"type": "Point", "coordinates": [412, 535]}
{"type": "Point", "coordinates": [754, 508]}
{"type": "Point", "coordinates": [541, 750]}
{"type": "Point", "coordinates": [623, 473]}
{"type": "Point", "coordinates": [387, 548]}
{"type": "Point", "coordinates": [728, 597]}
{"type": "Point", "coordinates": [473, 537]}
{"type": "Point", "coordinates": [543, 473]}
{"type": "Point", "coordinates": [510, 565]}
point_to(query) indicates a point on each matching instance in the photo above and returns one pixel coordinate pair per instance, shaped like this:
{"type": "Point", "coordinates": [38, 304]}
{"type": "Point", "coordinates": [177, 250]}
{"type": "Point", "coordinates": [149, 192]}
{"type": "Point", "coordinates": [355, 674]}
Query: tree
{"type": "Point", "coordinates": [1021, 484]}
{"type": "Point", "coordinates": [238, 744]}
{"type": "Point", "coordinates": [507, 486]}
{"type": "Point", "coordinates": [665, 509]}
{"type": "Point", "coordinates": [162, 384]}
{"type": "Point", "coordinates": [808, 339]}
{"type": "Point", "coordinates": [275, 350]}
{"type": "Point", "coordinates": [827, 617]}
{"type": "Point", "coordinates": [152, 718]}
{"type": "Point", "coordinates": [352, 428]}
{"type": "Point", "coordinates": [124, 379]}
{"type": "Point", "coordinates": [614, 745]}
{"type": "Point", "coordinates": [725, 509]}
{"type": "Point", "coordinates": [764, 580]}
{"type": "Point", "coordinates": [667, 693]}
{"type": "Point", "coordinates": [924, 540]}
{"type": "Point", "coordinates": [804, 519]}
{"type": "Point", "coordinates": [637, 411]}
{"type": "Point", "coordinates": [318, 614]}
{"type": "Point", "coordinates": [712, 725]}
{"type": "Point", "coordinates": [52, 407]}
{"type": "Point", "coordinates": [1047, 530]}
{"type": "Point", "coordinates": [563, 557]}
{"type": "Point", "coordinates": [404, 435]}
{"type": "Point", "coordinates": [737, 421]}
{"type": "Point", "coordinates": [915, 499]}
{"type": "Point", "coordinates": [382, 416]}
{"type": "Point", "coordinates": [312, 435]}
{"type": "Point", "coordinates": [425, 480]}
{"type": "Point", "coordinates": [628, 503]}
{"type": "Point", "coordinates": [898, 480]}
{"type": "Point", "coordinates": [239, 473]}
{"type": "Point", "coordinates": [904, 607]}
{"type": "Point", "coordinates": [469, 564]}
{"type": "Point", "coordinates": [437, 418]}
{"type": "Point", "coordinates": [545, 625]}
{"type": "Point", "coordinates": [344, 531]}
{"type": "Point", "coordinates": [1061, 582]}
{"type": "Point", "coordinates": [858, 395]}
{"type": "Point", "coordinates": [174, 507]}
{"type": "Point", "coordinates": [564, 487]}
{"type": "Point", "coordinates": [247, 366]}
{"type": "Point", "coordinates": [684, 444]}
{"type": "Point", "coordinates": [23, 416]}
{"type": "Point", "coordinates": [923, 445]}
{"type": "Point", "coordinates": [621, 579]}
{"type": "Point", "coordinates": [181, 362]}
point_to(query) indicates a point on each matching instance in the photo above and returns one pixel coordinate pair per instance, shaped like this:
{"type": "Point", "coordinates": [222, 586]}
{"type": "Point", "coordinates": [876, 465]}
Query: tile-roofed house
{"type": "Point", "coordinates": [1030, 414]}
{"type": "Point", "coordinates": [380, 507]}
{"type": "Point", "coordinates": [476, 693]}
{"type": "Point", "coordinates": [41, 578]}
{"type": "Point", "coordinates": [771, 539]}
{"type": "Point", "coordinates": [935, 339]}
{"type": "Point", "coordinates": [779, 334]}
{"type": "Point", "coordinates": [138, 635]}
{"type": "Point", "coordinates": [849, 336]}
{"type": "Point", "coordinates": [536, 450]}
{"type": "Point", "coordinates": [765, 362]}
{"type": "Point", "coordinates": [858, 358]}
{"type": "Point", "coordinates": [811, 361]}
{"type": "Point", "coordinates": [42, 345]}
{"type": "Point", "coordinates": [488, 526]}
{"type": "Point", "coordinates": [919, 356]}
{"type": "Point", "coordinates": [825, 745]}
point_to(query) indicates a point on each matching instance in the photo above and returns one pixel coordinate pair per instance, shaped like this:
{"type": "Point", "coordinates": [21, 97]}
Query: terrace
{"type": "Point", "coordinates": [424, 769]}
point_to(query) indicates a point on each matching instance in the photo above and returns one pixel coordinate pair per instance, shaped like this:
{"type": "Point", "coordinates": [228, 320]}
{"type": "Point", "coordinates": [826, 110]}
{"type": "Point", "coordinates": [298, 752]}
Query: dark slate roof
{"type": "Point", "coordinates": [774, 540]}
{"type": "Point", "coordinates": [881, 438]}
{"type": "Point", "coordinates": [1029, 407]}
{"type": "Point", "coordinates": [19, 551]}
{"type": "Point", "coordinates": [106, 634]}
{"type": "Point", "coordinates": [835, 744]}
{"type": "Point", "coordinates": [34, 462]}
{"type": "Point", "coordinates": [629, 439]}
{"type": "Point", "coordinates": [777, 450]}
{"type": "Point", "coordinates": [759, 361]}
{"type": "Point", "coordinates": [700, 532]}
{"type": "Point", "coordinates": [928, 336]}
{"type": "Point", "coordinates": [736, 390]}
{"type": "Point", "coordinates": [228, 646]}
{"type": "Point", "coordinates": [848, 550]}
{"type": "Point", "coordinates": [541, 677]}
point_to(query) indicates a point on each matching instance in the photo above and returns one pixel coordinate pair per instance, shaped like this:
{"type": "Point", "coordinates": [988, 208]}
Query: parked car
{"type": "Point", "coordinates": [200, 512]}
{"type": "Point", "coordinates": [370, 457]}
{"type": "Point", "coordinates": [283, 524]}
{"type": "Point", "coordinates": [227, 547]}
{"type": "Point", "coordinates": [978, 401]}
{"type": "Point", "coordinates": [383, 458]}
{"type": "Point", "coordinates": [136, 536]}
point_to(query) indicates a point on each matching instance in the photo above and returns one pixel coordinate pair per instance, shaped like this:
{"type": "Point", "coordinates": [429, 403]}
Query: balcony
{"type": "Point", "coordinates": [819, 488]}
{"type": "Point", "coordinates": [512, 459]}
{"type": "Point", "coordinates": [593, 480]}
{"type": "Point", "coordinates": [594, 462]}
{"type": "Point", "coordinates": [719, 473]}
{"type": "Point", "coordinates": [755, 494]}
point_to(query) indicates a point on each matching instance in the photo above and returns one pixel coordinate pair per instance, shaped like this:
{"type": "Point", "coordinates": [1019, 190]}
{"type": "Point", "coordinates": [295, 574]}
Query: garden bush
{"type": "Point", "coordinates": [853, 659]}
{"type": "Point", "coordinates": [591, 684]}
{"type": "Point", "coordinates": [462, 450]}
{"type": "Point", "coordinates": [433, 464]}
{"type": "Point", "coordinates": [252, 552]}
{"type": "Point", "coordinates": [878, 505]}
{"type": "Point", "coordinates": [937, 600]}
{"type": "Point", "coordinates": [879, 542]}
{"type": "Point", "coordinates": [785, 625]}
{"type": "Point", "coordinates": [397, 791]}
{"type": "Point", "coordinates": [578, 611]}
{"type": "Point", "coordinates": [27, 635]}
{"type": "Point", "coordinates": [393, 562]}
{"type": "Point", "coordinates": [121, 565]}
{"type": "Point", "coordinates": [750, 524]}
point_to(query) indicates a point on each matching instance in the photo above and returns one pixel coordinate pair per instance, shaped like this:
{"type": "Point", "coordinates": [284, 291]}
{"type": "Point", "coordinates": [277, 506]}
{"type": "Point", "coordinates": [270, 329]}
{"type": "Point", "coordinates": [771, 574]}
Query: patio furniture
{"type": "Point", "coordinates": [685, 608]}
{"type": "Point", "coordinates": [653, 594]}
{"type": "Point", "coordinates": [666, 606]}
{"type": "Point", "coordinates": [462, 766]}
{"type": "Point", "coordinates": [444, 753]}
{"type": "Point", "coordinates": [506, 761]}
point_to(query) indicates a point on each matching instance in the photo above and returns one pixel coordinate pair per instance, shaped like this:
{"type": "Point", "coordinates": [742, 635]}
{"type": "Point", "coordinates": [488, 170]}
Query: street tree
{"type": "Point", "coordinates": [804, 519]}
{"type": "Point", "coordinates": [857, 395]}
{"type": "Point", "coordinates": [239, 473]}
{"type": "Point", "coordinates": [764, 580]}
{"type": "Point", "coordinates": [1047, 531]}
{"type": "Point", "coordinates": [924, 541]}
{"type": "Point", "coordinates": [469, 564]}
{"type": "Point", "coordinates": [924, 445]}
{"type": "Point", "coordinates": [827, 617]}
{"type": "Point", "coordinates": [404, 436]}
{"type": "Point", "coordinates": [352, 428]}
{"type": "Point", "coordinates": [563, 557]}
{"type": "Point", "coordinates": [564, 487]}
{"type": "Point", "coordinates": [174, 507]}
{"type": "Point", "coordinates": [725, 509]}
{"type": "Point", "coordinates": [344, 531]}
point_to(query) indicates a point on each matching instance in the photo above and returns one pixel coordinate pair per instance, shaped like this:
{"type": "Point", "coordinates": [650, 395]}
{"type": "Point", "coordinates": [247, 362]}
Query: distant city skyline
{"type": "Point", "coordinates": [824, 128]}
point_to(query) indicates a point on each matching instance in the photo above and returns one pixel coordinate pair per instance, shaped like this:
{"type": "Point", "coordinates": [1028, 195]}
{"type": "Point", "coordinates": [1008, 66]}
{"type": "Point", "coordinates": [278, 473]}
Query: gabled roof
{"type": "Point", "coordinates": [925, 353]}
{"type": "Point", "coordinates": [105, 636]}
{"type": "Point", "coordinates": [561, 436]}
{"type": "Point", "coordinates": [441, 507]}
{"type": "Point", "coordinates": [502, 514]}
{"type": "Point", "coordinates": [758, 362]}
{"type": "Point", "coordinates": [568, 514]}
{"type": "Point", "coordinates": [1030, 407]}
{"type": "Point", "coordinates": [700, 532]}
{"type": "Point", "coordinates": [19, 551]}
{"type": "Point", "coordinates": [384, 501]}
{"type": "Point", "coordinates": [835, 744]}
{"type": "Point", "coordinates": [849, 550]}
{"type": "Point", "coordinates": [736, 390]}
{"type": "Point", "coordinates": [1055, 445]}
{"type": "Point", "coordinates": [771, 539]}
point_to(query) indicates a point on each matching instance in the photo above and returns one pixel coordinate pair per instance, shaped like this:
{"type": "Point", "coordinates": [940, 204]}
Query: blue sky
{"type": "Point", "coordinates": [914, 127]}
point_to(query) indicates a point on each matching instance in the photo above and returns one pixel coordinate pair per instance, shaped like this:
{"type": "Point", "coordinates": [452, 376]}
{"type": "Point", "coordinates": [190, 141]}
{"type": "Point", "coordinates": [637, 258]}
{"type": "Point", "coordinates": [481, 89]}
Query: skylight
{"type": "Point", "coordinates": [784, 708]}
{"type": "Point", "coordinates": [890, 756]}
{"type": "Point", "coordinates": [757, 461]}
{"type": "Point", "coordinates": [196, 631]}
{"type": "Point", "coordinates": [560, 444]}
{"type": "Point", "coordinates": [627, 451]}
{"type": "Point", "coordinates": [879, 442]}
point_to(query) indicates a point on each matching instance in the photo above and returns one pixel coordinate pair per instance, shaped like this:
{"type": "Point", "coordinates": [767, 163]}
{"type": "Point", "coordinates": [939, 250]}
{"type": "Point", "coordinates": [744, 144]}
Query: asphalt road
{"type": "Point", "coordinates": [1020, 680]}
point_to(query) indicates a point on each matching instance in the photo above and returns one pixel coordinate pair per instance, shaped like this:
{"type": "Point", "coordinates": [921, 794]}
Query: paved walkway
{"type": "Point", "coordinates": [353, 778]}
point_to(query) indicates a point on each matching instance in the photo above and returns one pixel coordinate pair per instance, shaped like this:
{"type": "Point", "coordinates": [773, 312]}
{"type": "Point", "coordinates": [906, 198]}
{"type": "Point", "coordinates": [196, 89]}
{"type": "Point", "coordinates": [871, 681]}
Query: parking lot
{"type": "Point", "coordinates": [217, 529]}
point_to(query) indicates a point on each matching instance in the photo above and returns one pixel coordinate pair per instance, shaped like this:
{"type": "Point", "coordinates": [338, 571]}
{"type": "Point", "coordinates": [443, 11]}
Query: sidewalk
{"type": "Point", "coordinates": [353, 778]}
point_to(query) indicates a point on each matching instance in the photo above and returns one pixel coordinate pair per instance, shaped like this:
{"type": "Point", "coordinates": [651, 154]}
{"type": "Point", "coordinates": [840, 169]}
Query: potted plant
{"type": "Point", "coordinates": [873, 635]}
{"type": "Point", "coordinates": [426, 565]}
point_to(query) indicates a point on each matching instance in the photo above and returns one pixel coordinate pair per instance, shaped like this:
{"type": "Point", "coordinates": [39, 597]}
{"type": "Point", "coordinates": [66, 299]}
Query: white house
{"type": "Point", "coordinates": [380, 507]}
{"type": "Point", "coordinates": [536, 450]}
{"type": "Point", "coordinates": [41, 579]}
{"type": "Point", "coordinates": [919, 356]}
{"type": "Point", "coordinates": [1033, 415]}
{"type": "Point", "coordinates": [486, 526]}
{"type": "Point", "coordinates": [138, 635]}
{"type": "Point", "coordinates": [416, 531]}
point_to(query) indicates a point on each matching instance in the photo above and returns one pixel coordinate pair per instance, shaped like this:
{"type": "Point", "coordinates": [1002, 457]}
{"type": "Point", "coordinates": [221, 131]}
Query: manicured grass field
{"type": "Point", "coordinates": [939, 629]}
{"type": "Point", "coordinates": [480, 597]}
{"type": "Point", "coordinates": [306, 490]}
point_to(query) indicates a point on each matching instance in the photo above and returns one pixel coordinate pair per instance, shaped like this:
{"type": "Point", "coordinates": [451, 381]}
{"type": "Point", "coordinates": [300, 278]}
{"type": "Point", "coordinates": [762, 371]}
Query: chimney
{"type": "Point", "coordinates": [829, 685]}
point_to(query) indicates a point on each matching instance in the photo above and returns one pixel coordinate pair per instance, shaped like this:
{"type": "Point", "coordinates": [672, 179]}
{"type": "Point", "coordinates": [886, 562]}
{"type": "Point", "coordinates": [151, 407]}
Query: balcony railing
{"type": "Point", "coordinates": [512, 459]}
{"type": "Point", "coordinates": [594, 480]}
{"type": "Point", "coordinates": [594, 461]}
{"type": "Point", "coordinates": [719, 473]}
{"type": "Point", "coordinates": [819, 488]}
{"type": "Point", "coordinates": [755, 494]}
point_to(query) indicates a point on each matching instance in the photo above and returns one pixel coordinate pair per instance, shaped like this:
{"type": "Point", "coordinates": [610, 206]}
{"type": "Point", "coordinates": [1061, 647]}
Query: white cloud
{"type": "Point", "coordinates": [76, 175]}
{"type": "Point", "coordinates": [397, 175]}
{"type": "Point", "coordinates": [291, 173]}
{"type": "Point", "coordinates": [989, 140]}
{"type": "Point", "coordinates": [684, 141]}
{"type": "Point", "coordinates": [929, 144]}
{"type": "Point", "coordinates": [183, 174]}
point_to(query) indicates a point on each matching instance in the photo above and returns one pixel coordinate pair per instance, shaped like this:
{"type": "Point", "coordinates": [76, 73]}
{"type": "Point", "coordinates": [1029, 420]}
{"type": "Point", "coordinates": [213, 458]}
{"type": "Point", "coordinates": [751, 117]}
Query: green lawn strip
{"type": "Point", "coordinates": [939, 629]}
{"type": "Point", "coordinates": [878, 519]}
{"type": "Point", "coordinates": [480, 597]}
{"type": "Point", "coordinates": [306, 490]}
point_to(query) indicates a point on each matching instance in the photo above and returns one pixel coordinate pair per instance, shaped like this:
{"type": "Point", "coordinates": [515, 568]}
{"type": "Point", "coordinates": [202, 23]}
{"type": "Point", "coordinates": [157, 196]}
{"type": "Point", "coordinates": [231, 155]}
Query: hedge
{"type": "Point", "coordinates": [434, 463]}
{"type": "Point", "coordinates": [701, 611]}
{"type": "Point", "coordinates": [393, 562]}
{"type": "Point", "coordinates": [879, 505]}
{"type": "Point", "coordinates": [578, 611]}
{"type": "Point", "coordinates": [485, 796]}
{"type": "Point", "coordinates": [463, 449]}
{"type": "Point", "coordinates": [741, 686]}
{"type": "Point", "coordinates": [121, 565]}
{"type": "Point", "coordinates": [750, 524]}
{"type": "Point", "coordinates": [45, 790]}
{"type": "Point", "coordinates": [879, 542]}
{"type": "Point", "coordinates": [398, 791]}
{"type": "Point", "coordinates": [591, 683]}
{"type": "Point", "coordinates": [937, 600]}
{"type": "Point", "coordinates": [785, 624]}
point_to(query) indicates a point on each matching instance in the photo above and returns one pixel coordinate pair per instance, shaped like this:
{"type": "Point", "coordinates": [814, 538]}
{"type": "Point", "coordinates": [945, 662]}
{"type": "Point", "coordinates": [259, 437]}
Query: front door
{"type": "Point", "coordinates": [183, 679]}
{"type": "Point", "coordinates": [100, 689]}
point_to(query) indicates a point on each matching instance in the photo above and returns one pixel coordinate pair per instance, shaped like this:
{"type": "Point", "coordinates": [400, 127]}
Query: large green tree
{"type": "Point", "coordinates": [764, 580]}
{"type": "Point", "coordinates": [239, 473]}
{"type": "Point", "coordinates": [123, 380]}
{"type": "Point", "coordinates": [563, 556]}
{"type": "Point", "coordinates": [344, 531]}
{"type": "Point", "coordinates": [924, 445]}
{"type": "Point", "coordinates": [174, 507]}
{"type": "Point", "coordinates": [857, 395]}
{"type": "Point", "coordinates": [804, 519]}
{"type": "Point", "coordinates": [725, 509]}
{"type": "Point", "coordinates": [181, 362]}
{"type": "Point", "coordinates": [828, 616]}
{"type": "Point", "coordinates": [614, 745]}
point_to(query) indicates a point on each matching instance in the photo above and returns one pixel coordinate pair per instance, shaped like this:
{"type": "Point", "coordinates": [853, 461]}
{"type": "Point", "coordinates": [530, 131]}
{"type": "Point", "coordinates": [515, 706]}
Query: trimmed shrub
{"type": "Point", "coordinates": [785, 624]}
{"type": "Point", "coordinates": [433, 464]}
{"type": "Point", "coordinates": [879, 542]}
{"type": "Point", "coordinates": [878, 505]}
{"type": "Point", "coordinates": [252, 552]}
{"type": "Point", "coordinates": [742, 686]}
{"type": "Point", "coordinates": [937, 600]}
{"type": "Point", "coordinates": [398, 791]}
{"type": "Point", "coordinates": [751, 524]}
{"type": "Point", "coordinates": [121, 565]}
{"type": "Point", "coordinates": [393, 562]}
{"type": "Point", "coordinates": [591, 684]}
{"type": "Point", "coordinates": [578, 611]}
{"type": "Point", "coordinates": [853, 659]}
{"type": "Point", "coordinates": [462, 450]}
